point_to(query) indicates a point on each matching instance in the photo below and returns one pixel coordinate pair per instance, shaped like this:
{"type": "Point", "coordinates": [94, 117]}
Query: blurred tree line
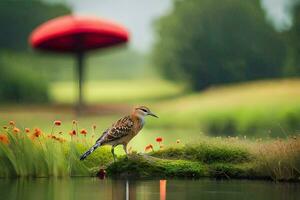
{"type": "Point", "coordinates": [293, 41]}
{"type": "Point", "coordinates": [17, 20]}
{"type": "Point", "coordinates": [208, 42]}
{"type": "Point", "coordinates": [26, 75]}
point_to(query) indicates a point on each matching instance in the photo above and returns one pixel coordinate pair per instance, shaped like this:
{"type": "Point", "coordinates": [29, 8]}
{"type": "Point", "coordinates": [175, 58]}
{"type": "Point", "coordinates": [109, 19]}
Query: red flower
{"type": "Point", "coordinates": [12, 123]}
{"type": "Point", "coordinates": [149, 147]}
{"type": "Point", "coordinates": [83, 132]}
{"type": "Point", "coordinates": [16, 130]}
{"type": "Point", "coordinates": [159, 139]}
{"type": "Point", "coordinates": [4, 139]}
{"type": "Point", "coordinates": [27, 130]}
{"type": "Point", "coordinates": [57, 123]}
{"type": "Point", "coordinates": [72, 133]}
{"type": "Point", "coordinates": [37, 132]}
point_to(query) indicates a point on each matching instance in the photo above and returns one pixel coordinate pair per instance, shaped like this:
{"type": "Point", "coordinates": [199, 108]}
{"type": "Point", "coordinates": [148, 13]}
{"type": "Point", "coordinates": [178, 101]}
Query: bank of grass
{"type": "Point", "coordinates": [209, 150]}
{"type": "Point", "coordinates": [34, 153]}
{"type": "Point", "coordinates": [277, 160]}
{"type": "Point", "coordinates": [280, 159]}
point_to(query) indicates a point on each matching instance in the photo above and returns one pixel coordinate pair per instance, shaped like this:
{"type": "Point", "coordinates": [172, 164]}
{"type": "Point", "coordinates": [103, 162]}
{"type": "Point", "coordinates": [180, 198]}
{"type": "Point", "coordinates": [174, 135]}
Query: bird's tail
{"type": "Point", "coordinates": [95, 146]}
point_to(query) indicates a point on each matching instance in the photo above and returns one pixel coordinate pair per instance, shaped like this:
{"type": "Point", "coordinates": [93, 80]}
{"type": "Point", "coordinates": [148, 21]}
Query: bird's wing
{"type": "Point", "coordinates": [118, 130]}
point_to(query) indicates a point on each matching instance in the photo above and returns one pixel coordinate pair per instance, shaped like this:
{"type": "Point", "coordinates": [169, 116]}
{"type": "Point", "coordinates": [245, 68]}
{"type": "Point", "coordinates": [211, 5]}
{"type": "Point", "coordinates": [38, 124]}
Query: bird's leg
{"type": "Point", "coordinates": [113, 152]}
{"type": "Point", "coordinates": [125, 149]}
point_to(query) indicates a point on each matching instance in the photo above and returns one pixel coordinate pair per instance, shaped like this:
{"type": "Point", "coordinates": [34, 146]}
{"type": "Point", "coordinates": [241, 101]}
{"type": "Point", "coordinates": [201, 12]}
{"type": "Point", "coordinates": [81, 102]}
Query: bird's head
{"type": "Point", "coordinates": [143, 111]}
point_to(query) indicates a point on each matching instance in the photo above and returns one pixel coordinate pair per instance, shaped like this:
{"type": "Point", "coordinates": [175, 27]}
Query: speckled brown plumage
{"type": "Point", "coordinates": [122, 131]}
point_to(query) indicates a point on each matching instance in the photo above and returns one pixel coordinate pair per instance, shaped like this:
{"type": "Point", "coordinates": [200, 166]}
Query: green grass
{"type": "Point", "coordinates": [144, 167]}
{"type": "Point", "coordinates": [210, 151]}
{"type": "Point", "coordinates": [44, 120]}
{"type": "Point", "coordinates": [122, 91]}
{"type": "Point", "coordinates": [227, 158]}
{"type": "Point", "coordinates": [25, 155]}
{"type": "Point", "coordinates": [208, 157]}
{"type": "Point", "coordinates": [259, 109]}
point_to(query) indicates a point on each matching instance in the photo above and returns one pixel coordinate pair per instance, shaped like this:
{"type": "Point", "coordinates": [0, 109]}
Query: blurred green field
{"type": "Point", "coordinates": [268, 108]}
{"type": "Point", "coordinates": [259, 108]}
{"type": "Point", "coordinates": [256, 109]}
{"type": "Point", "coordinates": [116, 91]}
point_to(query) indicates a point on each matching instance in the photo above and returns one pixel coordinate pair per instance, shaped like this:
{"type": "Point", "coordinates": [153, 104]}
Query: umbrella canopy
{"type": "Point", "coordinates": [77, 34]}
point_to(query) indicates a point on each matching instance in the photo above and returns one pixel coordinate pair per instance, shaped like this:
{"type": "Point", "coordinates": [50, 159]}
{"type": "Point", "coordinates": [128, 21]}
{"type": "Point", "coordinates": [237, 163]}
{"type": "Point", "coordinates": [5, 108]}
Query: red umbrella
{"type": "Point", "coordinates": [76, 35]}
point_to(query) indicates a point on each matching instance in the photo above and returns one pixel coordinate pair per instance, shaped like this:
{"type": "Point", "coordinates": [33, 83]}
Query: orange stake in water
{"type": "Point", "coordinates": [162, 189]}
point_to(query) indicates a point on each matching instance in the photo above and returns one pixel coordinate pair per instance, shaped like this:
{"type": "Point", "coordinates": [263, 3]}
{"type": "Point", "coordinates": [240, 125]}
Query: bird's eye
{"type": "Point", "coordinates": [144, 110]}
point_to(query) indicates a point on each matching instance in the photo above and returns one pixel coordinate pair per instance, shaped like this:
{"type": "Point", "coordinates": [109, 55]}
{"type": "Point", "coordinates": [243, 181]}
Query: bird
{"type": "Point", "coordinates": [122, 131]}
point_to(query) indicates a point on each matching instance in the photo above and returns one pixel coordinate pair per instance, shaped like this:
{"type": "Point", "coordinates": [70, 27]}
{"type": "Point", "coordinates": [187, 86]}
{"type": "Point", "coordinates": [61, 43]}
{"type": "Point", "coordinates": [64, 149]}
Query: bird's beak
{"type": "Point", "coordinates": [153, 115]}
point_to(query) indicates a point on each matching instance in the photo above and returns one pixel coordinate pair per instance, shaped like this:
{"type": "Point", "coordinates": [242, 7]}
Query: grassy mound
{"type": "Point", "coordinates": [205, 159]}
{"type": "Point", "coordinates": [206, 152]}
{"type": "Point", "coordinates": [219, 158]}
{"type": "Point", "coordinates": [143, 166]}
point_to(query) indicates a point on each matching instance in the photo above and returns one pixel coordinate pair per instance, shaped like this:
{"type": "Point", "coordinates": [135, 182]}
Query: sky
{"type": "Point", "coordinates": [277, 12]}
{"type": "Point", "coordinates": [138, 15]}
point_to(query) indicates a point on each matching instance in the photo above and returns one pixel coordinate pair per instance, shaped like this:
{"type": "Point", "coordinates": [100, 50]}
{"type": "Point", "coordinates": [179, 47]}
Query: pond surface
{"type": "Point", "coordinates": [93, 188]}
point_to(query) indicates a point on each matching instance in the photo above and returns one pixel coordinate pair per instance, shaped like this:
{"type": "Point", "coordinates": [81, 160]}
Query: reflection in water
{"type": "Point", "coordinates": [162, 189]}
{"type": "Point", "coordinates": [92, 188]}
{"type": "Point", "coordinates": [127, 190]}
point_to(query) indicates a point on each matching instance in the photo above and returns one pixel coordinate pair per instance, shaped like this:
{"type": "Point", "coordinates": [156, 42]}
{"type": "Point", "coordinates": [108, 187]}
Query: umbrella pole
{"type": "Point", "coordinates": [80, 71]}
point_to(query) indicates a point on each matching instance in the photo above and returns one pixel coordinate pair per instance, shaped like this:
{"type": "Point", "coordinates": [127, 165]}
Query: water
{"type": "Point", "coordinates": [92, 188]}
